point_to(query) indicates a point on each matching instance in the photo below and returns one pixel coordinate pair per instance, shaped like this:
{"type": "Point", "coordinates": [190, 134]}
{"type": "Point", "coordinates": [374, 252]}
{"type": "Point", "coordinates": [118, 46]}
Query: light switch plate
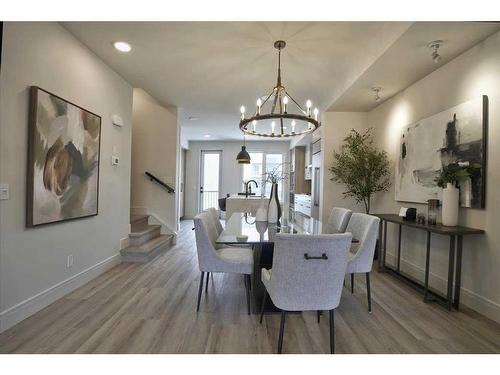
{"type": "Point", "coordinates": [4, 192]}
{"type": "Point", "coordinates": [114, 160]}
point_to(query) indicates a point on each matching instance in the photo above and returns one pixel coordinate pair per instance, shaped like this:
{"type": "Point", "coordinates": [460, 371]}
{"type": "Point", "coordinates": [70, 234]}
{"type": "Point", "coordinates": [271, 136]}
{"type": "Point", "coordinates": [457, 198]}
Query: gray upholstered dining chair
{"type": "Point", "coordinates": [364, 228]}
{"type": "Point", "coordinates": [226, 259]}
{"type": "Point", "coordinates": [338, 219]}
{"type": "Point", "coordinates": [214, 214]}
{"type": "Point", "coordinates": [306, 275]}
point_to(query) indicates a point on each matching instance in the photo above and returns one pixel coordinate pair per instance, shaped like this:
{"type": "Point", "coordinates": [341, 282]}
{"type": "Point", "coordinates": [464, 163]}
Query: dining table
{"type": "Point", "coordinates": [242, 228]}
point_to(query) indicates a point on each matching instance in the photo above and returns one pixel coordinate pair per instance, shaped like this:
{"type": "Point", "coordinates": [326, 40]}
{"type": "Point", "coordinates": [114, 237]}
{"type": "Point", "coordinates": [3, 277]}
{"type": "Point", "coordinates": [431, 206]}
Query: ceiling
{"type": "Point", "coordinates": [209, 69]}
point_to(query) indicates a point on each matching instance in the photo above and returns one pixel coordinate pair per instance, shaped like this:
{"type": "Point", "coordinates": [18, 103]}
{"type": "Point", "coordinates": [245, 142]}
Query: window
{"type": "Point", "coordinates": [260, 162]}
{"type": "Point", "coordinates": [274, 161]}
{"type": "Point", "coordinates": [253, 171]}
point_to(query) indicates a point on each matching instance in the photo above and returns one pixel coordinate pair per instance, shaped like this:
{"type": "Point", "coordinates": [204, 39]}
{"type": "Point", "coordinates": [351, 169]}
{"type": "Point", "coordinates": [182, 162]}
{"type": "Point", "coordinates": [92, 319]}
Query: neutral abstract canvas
{"type": "Point", "coordinates": [455, 135]}
{"type": "Point", "coordinates": [63, 160]}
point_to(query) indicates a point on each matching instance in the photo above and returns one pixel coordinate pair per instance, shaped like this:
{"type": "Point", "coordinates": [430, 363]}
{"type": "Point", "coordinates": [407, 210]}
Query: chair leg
{"type": "Point", "coordinates": [206, 285]}
{"type": "Point", "coordinates": [247, 287]}
{"type": "Point", "coordinates": [332, 332]}
{"type": "Point", "coordinates": [263, 306]}
{"type": "Point", "coordinates": [352, 283]}
{"type": "Point", "coordinates": [282, 331]}
{"type": "Point", "coordinates": [368, 292]}
{"type": "Point", "coordinates": [318, 314]}
{"type": "Point", "coordinates": [199, 291]}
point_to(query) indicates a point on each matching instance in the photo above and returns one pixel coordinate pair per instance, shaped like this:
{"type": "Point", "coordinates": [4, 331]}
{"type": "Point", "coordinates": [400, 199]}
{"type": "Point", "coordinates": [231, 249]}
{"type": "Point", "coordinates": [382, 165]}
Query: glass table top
{"type": "Point", "coordinates": [242, 228]}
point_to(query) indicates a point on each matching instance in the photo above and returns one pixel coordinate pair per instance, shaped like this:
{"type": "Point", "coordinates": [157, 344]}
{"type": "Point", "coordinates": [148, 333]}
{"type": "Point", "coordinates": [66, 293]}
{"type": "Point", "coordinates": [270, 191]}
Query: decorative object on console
{"type": "Point", "coordinates": [421, 218]}
{"type": "Point", "coordinates": [432, 211]}
{"type": "Point", "coordinates": [63, 160]}
{"type": "Point", "coordinates": [457, 135]}
{"type": "Point", "coordinates": [361, 167]}
{"type": "Point", "coordinates": [290, 124]}
{"type": "Point", "coordinates": [408, 214]}
{"type": "Point", "coordinates": [450, 177]}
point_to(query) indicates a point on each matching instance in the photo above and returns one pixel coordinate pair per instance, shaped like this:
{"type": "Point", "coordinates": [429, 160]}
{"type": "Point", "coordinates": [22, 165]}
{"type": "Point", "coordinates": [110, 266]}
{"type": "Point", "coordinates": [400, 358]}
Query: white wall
{"type": "Point", "coordinates": [232, 172]}
{"type": "Point", "coordinates": [33, 269]}
{"type": "Point", "coordinates": [154, 149]}
{"type": "Point", "coordinates": [474, 73]}
{"type": "Point", "coordinates": [336, 126]}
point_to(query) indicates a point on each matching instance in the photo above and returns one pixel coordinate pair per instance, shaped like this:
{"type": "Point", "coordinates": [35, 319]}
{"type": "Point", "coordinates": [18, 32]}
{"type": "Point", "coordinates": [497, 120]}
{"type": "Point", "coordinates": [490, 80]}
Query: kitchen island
{"type": "Point", "coordinates": [240, 203]}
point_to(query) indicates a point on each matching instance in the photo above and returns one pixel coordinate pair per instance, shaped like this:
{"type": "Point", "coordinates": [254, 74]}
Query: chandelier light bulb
{"type": "Point", "coordinates": [242, 110]}
{"type": "Point", "coordinates": [285, 102]}
{"type": "Point", "coordinates": [309, 105]}
{"type": "Point", "coordinates": [273, 125]}
{"type": "Point", "coordinates": [254, 124]}
{"type": "Point", "coordinates": [293, 126]}
{"type": "Point", "coordinates": [316, 111]}
{"type": "Point", "coordinates": [259, 104]}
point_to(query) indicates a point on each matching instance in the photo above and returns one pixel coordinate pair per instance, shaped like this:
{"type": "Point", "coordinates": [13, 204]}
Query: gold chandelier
{"type": "Point", "coordinates": [279, 121]}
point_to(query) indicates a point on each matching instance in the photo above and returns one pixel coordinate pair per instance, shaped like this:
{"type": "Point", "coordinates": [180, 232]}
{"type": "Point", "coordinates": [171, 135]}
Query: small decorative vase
{"type": "Point", "coordinates": [261, 214]}
{"type": "Point", "coordinates": [450, 205]}
{"type": "Point", "coordinates": [274, 208]}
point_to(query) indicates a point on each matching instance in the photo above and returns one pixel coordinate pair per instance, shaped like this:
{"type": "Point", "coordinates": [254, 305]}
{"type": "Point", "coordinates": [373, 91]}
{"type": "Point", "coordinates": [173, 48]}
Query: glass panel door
{"type": "Point", "coordinates": [210, 177]}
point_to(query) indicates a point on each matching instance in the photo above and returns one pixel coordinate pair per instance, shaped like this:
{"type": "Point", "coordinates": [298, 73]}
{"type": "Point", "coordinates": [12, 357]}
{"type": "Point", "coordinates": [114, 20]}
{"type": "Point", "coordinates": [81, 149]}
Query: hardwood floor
{"type": "Point", "coordinates": [151, 308]}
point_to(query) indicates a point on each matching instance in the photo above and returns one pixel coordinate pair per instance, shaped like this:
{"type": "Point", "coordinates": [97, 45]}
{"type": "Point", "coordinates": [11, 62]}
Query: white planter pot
{"type": "Point", "coordinates": [450, 206]}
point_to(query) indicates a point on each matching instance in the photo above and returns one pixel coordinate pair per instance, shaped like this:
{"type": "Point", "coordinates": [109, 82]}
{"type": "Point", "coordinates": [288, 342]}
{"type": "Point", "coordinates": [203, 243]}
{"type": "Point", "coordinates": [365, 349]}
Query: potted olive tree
{"type": "Point", "coordinates": [361, 167]}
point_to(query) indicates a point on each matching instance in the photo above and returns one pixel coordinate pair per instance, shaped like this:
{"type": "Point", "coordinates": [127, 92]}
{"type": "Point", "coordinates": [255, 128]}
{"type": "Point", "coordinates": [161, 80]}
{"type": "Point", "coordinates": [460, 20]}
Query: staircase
{"type": "Point", "coordinates": [146, 242]}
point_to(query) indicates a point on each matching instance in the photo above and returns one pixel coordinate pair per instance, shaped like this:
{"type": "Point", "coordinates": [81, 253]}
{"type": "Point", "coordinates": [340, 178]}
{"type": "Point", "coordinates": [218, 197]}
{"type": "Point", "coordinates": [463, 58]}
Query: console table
{"type": "Point", "coordinates": [454, 260]}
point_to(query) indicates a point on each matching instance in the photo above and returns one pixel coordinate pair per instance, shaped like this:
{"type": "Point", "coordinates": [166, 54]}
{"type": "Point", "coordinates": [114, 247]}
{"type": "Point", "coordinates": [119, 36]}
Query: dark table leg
{"type": "Point", "coordinates": [451, 267]}
{"type": "Point", "coordinates": [427, 265]}
{"type": "Point", "coordinates": [399, 247]}
{"type": "Point", "coordinates": [263, 258]}
{"type": "Point", "coordinates": [379, 260]}
{"type": "Point", "coordinates": [385, 243]}
{"type": "Point", "coordinates": [458, 275]}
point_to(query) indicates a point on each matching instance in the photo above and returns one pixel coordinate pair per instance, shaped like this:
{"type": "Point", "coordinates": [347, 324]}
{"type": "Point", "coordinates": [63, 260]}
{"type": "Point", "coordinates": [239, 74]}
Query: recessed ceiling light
{"type": "Point", "coordinates": [122, 46]}
{"type": "Point", "coordinates": [207, 135]}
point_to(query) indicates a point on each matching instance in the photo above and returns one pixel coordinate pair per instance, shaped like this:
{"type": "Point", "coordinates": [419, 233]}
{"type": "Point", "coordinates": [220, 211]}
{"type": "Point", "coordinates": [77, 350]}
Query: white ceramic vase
{"type": "Point", "coordinates": [261, 214]}
{"type": "Point", "coordinates": [450, 206]}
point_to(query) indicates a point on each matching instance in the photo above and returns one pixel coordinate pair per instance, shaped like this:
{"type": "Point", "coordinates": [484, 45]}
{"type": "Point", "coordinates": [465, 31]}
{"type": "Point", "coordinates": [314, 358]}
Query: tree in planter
{"type": "Point", "coordinates": [361, 167]}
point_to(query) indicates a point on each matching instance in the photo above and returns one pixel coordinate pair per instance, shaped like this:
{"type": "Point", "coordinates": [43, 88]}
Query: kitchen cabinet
{"type": "Point", "coordinates": [298, 182]}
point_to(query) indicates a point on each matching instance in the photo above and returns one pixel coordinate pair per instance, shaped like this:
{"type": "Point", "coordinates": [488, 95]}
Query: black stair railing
{"type": "Point", "coordinates": [158, 181]}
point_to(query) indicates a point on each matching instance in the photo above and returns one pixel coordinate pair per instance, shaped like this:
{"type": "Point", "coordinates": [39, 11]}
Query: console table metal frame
{"type": "Point", "coordinates": [452, 299]}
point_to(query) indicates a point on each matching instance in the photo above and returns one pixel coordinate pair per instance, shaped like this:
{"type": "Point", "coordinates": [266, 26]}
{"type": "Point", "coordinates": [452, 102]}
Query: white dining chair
{"type": "Point", "coordinates": [307, 274]}
{"type": "Point", "coordinates": [214, 214]}
{"type": "Point", "coordinates": [226, 259]}
{"type": "Point", "coordinates": [338, 219]}
{"type": "Point", "coordinates": [364, 228]}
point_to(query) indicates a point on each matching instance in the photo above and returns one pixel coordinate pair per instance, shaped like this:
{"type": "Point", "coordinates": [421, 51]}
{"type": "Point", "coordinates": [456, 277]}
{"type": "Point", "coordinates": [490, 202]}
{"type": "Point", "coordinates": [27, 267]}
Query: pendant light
{"type": "Point", "coordinates": [243, 156]}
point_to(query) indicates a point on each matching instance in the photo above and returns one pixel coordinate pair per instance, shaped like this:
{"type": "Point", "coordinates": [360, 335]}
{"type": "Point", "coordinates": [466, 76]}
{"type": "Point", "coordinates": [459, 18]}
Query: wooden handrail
{"type": "Point", "coordinates": [157, 180]}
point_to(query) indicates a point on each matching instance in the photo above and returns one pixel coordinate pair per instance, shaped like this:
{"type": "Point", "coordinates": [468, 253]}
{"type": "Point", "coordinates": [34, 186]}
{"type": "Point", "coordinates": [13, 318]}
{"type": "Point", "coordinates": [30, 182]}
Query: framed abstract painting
{"type": "Point", "coordinates": [63, 160]}
{"type": "Point", "coordinates": [456, 135]}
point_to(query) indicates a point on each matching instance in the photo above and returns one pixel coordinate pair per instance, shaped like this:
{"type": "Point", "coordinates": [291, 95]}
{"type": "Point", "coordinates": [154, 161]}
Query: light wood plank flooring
{"type": "Point", "coordinates": [151, 308]}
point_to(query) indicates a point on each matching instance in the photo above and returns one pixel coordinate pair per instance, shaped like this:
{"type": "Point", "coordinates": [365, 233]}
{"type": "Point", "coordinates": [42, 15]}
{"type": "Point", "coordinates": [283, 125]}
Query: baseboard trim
{"type": "Point", "coordinates": [481, 304]}
{"type": "Point", "coordinates": [26, 308]}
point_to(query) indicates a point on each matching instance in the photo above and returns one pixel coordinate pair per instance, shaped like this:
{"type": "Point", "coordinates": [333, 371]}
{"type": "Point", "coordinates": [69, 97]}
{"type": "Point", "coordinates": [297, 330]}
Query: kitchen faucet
{"type": "Point", "coordinates": [248, 188]}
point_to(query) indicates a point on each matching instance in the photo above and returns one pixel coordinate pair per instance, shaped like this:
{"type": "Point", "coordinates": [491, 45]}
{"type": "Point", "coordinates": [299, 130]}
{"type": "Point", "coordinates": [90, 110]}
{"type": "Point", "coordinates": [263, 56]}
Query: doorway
{"type": "Point", "coordinates": [210, 178]}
